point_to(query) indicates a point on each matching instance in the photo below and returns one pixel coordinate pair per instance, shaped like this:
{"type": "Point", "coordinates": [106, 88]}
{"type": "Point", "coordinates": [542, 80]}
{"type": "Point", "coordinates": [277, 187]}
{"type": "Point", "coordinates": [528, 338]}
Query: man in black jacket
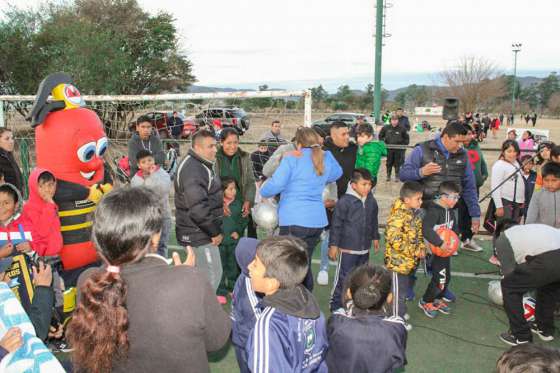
{"type": "Point", "coordinates": [343, 151]}
{"type": "Point", "coordinates": [394, 134]}
{"type": "Point", "coordinates": [403, 119]}
{"type": "Point", "coordinates": [199, 205]}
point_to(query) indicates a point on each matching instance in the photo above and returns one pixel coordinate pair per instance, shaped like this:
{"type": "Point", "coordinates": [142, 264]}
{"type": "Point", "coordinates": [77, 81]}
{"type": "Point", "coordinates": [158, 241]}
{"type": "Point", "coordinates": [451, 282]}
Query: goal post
{"type": "Point", "coordinates": [173, 97]}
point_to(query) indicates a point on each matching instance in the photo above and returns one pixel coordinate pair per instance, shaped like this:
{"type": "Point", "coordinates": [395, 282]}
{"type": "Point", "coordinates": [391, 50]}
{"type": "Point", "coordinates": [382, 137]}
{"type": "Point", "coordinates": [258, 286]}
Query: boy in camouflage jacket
{"type": "Point", "coordinates": [404, 242]}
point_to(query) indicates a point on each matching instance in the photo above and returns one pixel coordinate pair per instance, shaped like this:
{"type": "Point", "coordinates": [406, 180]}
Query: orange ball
{"type": "Point", "coordinates": [450, 238]}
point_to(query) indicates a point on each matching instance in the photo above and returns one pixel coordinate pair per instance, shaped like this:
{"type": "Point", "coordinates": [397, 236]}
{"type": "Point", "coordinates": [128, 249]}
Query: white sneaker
{"type": "Point", "coordinates": [471, 245]}
{"type": "Point", "coordinates": [407, 326]}
{"type": "Point", "coordinates": [323, 278]}
{"type": "Point", "coordinates": [406, 317]}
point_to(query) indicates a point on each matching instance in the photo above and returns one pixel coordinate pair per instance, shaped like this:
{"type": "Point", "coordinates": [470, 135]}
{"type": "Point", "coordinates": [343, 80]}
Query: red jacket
{"type": "Point", "coordinates": [43, 216]}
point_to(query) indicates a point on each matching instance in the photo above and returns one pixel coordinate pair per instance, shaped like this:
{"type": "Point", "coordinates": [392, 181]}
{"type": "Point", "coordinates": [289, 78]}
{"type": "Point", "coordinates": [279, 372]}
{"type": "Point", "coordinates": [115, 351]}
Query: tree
{"type": "Point", "coordinates": [554, 104]}
{"type": "Point", "coordinates": [107, 46]}
{"type": "Point", "coordinates": [319, 94]}
{"type": "Point", "coordinates": [548, 87]}
{"type": "Point", "coordinates": [474, 81]}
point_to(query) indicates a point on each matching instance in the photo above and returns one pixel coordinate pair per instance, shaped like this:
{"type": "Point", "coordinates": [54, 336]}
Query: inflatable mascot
{"type": "Point", "coordinates": [70, 142]}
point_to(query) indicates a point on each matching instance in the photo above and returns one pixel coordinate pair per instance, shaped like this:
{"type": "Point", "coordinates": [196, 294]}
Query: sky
{"type": "Point", "coordinates": [303, 42]}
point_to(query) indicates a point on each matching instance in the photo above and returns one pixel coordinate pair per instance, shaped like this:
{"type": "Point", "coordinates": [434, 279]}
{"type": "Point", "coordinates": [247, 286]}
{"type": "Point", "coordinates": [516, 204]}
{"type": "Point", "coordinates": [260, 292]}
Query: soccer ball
{"type": "Point", "coordinates": [495, 292]}
{"type": "Point", "coordinates": [450, 238]}
{"type": "Point", "coordinates": [529, 305]}
{"type": "Point", "coordinates": [265, 215]}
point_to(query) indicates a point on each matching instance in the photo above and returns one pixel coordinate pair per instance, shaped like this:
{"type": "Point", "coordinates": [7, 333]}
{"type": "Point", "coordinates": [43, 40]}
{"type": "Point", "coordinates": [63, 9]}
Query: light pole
{"type": "Point", "coordinates": [516, 48]}
{"type": "Point", "coordinates": [380, 33]}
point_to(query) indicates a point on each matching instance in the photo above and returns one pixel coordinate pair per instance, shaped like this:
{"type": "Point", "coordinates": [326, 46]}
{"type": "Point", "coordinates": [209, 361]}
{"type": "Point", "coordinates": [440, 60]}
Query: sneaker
{"type": "Point", "coordinates": [471, 245]}
{"type": "Point", "coordinates": [429, 309]}
{"type": "Point", "coordinates": [409, 294]}
{"type": "Point", "coordinates": [494, 260]}
{"type": "Point", "coordinates": [406, 317]}
{"type": "Point", "coordinates": [221, 299]}
{"type": "Point", "coordinates": [544, 336]}
{"type": "Point", "coordinates": [397, 180]}
{"type": "Point", "coordinates": [407, 326]}
{"type": "Point", "coordinates": [511, 340]}
{"type": "Point", "coordinates": [323, 278]}
{"type": "Point", "coordinates": [442, 307]}
{"type": "Point", "coordinates": [448, 296]}
{"type": "Point", "coordinates": [388, 178]}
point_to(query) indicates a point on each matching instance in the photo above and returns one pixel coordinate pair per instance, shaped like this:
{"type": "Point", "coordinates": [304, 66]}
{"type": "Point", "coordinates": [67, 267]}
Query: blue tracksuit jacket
{"type": "Point", "coordinates": [365, 343]}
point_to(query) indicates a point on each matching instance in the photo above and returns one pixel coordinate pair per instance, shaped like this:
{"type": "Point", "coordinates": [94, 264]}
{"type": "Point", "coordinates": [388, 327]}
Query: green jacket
{"type": "Point", "coordinates": [369, 156]}
{"type": "Point", "coordinates": [242, 172]}
{"type": "Point", "coordinates": [478, 163]}
{"type": "Point", "coordinates": [235, 222]}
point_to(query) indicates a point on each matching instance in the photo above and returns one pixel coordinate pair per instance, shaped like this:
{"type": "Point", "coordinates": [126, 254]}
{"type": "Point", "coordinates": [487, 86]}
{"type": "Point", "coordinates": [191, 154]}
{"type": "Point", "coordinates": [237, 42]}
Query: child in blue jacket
{"type": "Point", "coordinates": [244, 310]}
{"type": "Point", "coordinates": [290, 333]}
{"type": "Point", "coordinates": [361, 337]}
{"type": "Point", "coordinates": [354, 226]}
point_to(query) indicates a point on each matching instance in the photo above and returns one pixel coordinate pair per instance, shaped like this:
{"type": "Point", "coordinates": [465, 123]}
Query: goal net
{"type": "Point", "coordinates": [250, 112]}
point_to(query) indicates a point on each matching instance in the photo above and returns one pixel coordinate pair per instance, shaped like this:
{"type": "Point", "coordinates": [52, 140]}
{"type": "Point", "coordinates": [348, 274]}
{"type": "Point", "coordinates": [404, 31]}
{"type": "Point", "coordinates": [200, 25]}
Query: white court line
{"type": "Point", "coordinates": [420, 270]}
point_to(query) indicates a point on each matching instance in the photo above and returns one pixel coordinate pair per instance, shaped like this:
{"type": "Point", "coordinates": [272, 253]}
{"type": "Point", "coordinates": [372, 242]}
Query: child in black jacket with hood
{"type": "Point", "coordinates": [354, 225]}
{"type": "Point", "coordinates": [439, 213]}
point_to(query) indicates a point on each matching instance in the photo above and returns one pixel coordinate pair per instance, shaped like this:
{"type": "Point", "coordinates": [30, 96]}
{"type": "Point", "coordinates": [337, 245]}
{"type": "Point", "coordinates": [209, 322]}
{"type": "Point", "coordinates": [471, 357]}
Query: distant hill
{"type": "Point", "coordinates": [203, 89]}
{"type": "Point", "coordinates": [525, 81]}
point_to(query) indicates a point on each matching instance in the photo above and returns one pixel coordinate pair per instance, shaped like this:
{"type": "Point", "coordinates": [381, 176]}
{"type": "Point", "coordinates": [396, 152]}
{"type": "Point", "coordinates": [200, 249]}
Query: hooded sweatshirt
{"type": "Point", "coordinates": [43, 217]}
{"type": "Point", "coordinates": [544, 208]}
{"type": "Point", "coordinates": [11, 230]}
{"type": "Point", "coordinates": [478, 164]}
{"type": "Point", "coordinates": [158, 181]}
{"type": "Point", "coordinates": [289, 335]}
{"type": "Point", "coordinates": [404, 242]}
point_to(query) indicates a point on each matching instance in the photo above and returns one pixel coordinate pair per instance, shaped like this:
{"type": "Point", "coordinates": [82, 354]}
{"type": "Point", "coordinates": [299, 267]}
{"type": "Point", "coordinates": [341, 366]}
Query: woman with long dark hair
{"type": "Point", "coordinates": [137, 313]}
{"type": "Point", "coordinates": [8, 164]}
{"type": "Point", "coordinates": [510, 196]}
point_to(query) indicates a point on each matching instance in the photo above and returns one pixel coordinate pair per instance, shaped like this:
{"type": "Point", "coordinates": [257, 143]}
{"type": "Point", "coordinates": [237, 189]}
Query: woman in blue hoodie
{"type": "Point", "coordinates": [300, 180]}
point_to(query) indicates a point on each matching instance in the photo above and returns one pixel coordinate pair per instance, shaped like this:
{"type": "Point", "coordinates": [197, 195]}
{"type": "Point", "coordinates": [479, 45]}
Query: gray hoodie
{"type": "Point", "coordinates": [153, 144]}
{"type": "Point", "coordinates": [544, 208]}
{"type": "Point", "coordinates": [160, 182]}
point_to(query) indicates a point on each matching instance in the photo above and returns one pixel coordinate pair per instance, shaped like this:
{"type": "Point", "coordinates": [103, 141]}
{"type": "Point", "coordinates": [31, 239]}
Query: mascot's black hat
{"type": "Point", "coordinates": [41, 107]}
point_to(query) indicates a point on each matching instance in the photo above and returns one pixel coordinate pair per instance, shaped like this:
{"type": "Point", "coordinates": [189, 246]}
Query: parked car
{"type": "Point", "coordinates": [222, 117]}
{"type": "Point", "coordinates": [323, 126]}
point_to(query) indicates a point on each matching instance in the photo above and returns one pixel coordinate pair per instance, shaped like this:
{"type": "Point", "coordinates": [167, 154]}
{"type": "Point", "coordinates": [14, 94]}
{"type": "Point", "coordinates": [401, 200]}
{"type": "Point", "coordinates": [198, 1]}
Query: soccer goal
{"type": "Point", "coordinates": [250, 112]}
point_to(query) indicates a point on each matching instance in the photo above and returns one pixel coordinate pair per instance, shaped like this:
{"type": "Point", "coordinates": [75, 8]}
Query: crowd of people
{"type": "Point", "coordinates": [325, 192]}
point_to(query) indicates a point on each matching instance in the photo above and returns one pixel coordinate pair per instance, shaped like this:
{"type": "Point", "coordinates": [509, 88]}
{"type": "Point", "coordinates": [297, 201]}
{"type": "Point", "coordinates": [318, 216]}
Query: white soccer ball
{"type": "Point", "coordinates": [265, 215]}
{"type": "Point", "coordinates": [495, 292]}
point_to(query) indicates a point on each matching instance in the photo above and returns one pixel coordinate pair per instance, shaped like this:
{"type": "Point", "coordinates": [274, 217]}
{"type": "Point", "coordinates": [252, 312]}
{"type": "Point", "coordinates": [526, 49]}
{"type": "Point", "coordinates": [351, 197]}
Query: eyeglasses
{"type": "Point", "coordinates": [452, 196]}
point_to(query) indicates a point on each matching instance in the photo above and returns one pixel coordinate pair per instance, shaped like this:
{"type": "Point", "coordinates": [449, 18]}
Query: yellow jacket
{"type": "Point", "coordinates": [403, 239]}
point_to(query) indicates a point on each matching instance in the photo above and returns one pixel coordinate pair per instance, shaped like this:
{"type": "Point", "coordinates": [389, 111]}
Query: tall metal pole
{"type": "Point", "coordinates": [516, 47]}
{"type": "Point", "coordinates": [378, 53]}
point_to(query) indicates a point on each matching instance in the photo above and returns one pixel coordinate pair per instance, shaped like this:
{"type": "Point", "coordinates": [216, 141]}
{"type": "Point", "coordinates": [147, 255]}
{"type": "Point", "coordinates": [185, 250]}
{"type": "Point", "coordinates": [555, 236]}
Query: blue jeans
{"type": "Point", "coordinates": [325, 251]}
{"type": "Point", "coordinates": [311, 238]}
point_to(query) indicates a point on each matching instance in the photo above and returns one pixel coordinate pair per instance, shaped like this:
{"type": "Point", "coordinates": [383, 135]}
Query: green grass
{"type": "Point", "coordinates": [465, 341]}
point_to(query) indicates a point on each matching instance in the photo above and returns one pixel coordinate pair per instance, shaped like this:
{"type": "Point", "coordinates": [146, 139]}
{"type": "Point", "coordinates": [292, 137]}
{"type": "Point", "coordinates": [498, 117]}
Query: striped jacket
{"type": "Point", "coordinates": [285, 343]}
{"type": "Point", "coordinates": [244, 310]}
